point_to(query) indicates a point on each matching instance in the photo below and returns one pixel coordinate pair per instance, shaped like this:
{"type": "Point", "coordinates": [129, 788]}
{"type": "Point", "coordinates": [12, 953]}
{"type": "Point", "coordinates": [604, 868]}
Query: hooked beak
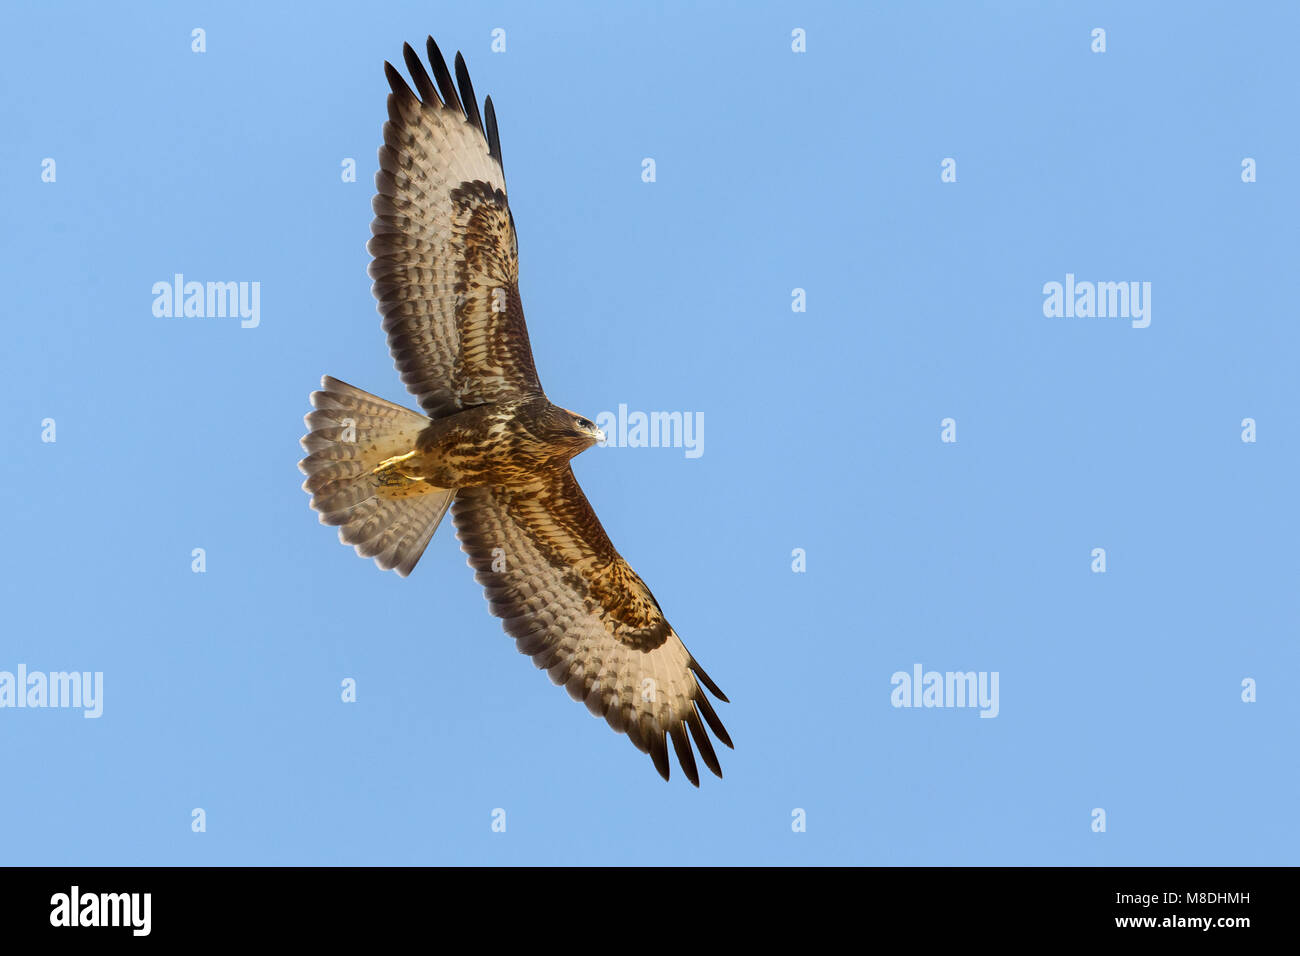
{"type": "Point", "coordinates": [600, 437]}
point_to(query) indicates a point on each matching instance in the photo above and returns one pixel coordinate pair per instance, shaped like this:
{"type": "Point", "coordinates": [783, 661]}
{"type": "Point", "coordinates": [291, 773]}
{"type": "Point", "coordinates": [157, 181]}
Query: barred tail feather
{"type": "Point", "coordinates": [351, 433]}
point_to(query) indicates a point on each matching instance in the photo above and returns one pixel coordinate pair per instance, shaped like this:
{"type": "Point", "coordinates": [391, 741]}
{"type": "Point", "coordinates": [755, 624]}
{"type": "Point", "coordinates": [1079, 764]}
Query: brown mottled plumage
{"type": "Point", "coordinates": [446, 275]}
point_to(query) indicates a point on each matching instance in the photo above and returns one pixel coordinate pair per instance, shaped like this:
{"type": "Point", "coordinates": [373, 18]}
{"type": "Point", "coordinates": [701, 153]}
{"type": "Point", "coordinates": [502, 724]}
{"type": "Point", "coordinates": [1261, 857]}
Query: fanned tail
{"type": "Point", "coordinates": [355, 443]}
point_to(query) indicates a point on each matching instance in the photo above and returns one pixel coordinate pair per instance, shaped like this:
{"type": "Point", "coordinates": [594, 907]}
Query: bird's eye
{"type": "Point", "coordinates": [583, 423]}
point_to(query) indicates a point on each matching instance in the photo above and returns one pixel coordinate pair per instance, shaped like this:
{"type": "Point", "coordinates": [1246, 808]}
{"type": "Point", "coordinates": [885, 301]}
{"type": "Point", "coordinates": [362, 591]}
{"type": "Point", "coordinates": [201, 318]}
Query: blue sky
{"type": "Point", "coordinates": [775, 171]}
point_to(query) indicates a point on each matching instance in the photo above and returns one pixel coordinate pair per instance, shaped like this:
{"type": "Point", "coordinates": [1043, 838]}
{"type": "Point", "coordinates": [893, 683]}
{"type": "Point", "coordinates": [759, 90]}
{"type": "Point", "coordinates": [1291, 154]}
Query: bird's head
{"type": "Point", "coordinates": [570, 431]}
{"type": "Point", "coordinates": [584, 429]}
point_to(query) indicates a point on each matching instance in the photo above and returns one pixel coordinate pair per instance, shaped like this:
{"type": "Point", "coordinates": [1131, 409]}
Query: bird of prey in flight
{"type": "Point", "coordinates": [489, 445]}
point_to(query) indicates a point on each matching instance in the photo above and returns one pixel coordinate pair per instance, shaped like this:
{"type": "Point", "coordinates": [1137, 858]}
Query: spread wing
{"type": "Point", "coordinates": [446, 263]}
{"type": "Point", "coordinates": [580, 611]}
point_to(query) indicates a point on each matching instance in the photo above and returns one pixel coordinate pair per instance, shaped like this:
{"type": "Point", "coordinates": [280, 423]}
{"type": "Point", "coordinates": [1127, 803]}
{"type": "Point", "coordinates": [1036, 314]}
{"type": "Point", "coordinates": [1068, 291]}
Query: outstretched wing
{"type": "Point", "coordinates": [446, 263]}
{"type": "Point", "coordinates": [580, 611]}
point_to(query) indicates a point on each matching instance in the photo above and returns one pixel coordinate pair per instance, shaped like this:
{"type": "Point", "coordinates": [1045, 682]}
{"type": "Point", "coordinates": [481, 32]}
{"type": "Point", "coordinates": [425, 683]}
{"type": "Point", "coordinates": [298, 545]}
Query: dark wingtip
{"type": "Point", "coordinates": [659, 754]}
{"type": "Point", "coordinates": [707, 681]}
{"type": "Point", "coordinates": [445, 91]}
{"type": "Point", "coordinates": [443, 76]}
{"type": "Point", "coordinates": [685, 756]}
{"type": "Point", "coordinates": [703, 744]}
{"type": "Point", "coordinates": [493, 137]}
{"type": "Point", "coordinates": [396, 81]}
{"type": "Point", "coordinates": [711, 718]}
{"type": "Point", "coordinates": [420, 75]}
{"type": "Point", "coordinates": [467, 97]}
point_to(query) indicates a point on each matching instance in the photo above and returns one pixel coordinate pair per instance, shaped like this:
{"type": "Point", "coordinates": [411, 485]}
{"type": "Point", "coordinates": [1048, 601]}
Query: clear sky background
{"type": "Point", "coordinates": [775, 171]}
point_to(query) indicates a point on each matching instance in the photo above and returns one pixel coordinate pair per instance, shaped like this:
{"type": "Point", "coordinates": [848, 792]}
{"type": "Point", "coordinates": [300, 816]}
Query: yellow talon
{"type": "Point", "coordinates": [390, 474]}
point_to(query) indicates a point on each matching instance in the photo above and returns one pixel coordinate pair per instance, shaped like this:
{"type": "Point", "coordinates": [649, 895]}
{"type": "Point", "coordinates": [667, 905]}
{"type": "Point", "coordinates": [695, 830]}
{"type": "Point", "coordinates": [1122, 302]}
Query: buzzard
{"type": "Point", "coordinates": [490, 445]}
